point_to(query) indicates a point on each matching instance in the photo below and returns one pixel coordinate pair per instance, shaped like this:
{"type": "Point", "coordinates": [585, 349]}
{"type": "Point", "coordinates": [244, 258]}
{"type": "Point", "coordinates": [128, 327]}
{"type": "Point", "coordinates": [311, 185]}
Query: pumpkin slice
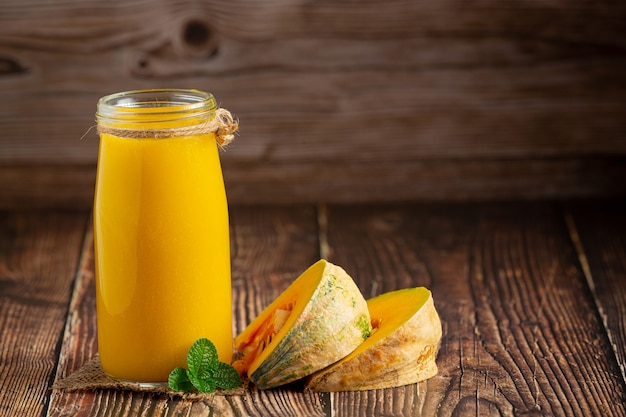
{"type": "Point", "coordinates": [401, 349]}
{"type": "Point", "coordinates": [320, 318]}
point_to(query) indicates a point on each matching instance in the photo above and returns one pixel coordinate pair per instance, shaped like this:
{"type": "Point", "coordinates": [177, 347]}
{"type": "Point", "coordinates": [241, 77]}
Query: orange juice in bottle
{"type": "Point", "coordinates": [161, 233]}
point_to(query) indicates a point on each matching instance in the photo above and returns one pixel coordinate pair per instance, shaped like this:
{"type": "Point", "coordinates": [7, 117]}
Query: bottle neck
{"type": "Point", "coordinates": [153, 110]}
{"type": "Point", "coordinates": [161, 114]}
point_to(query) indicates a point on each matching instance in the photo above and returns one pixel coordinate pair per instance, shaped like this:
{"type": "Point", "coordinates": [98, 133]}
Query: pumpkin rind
{"type": "Point", "coordinates": [402, 355]}
{"type": "Point", "coordinates": [333, 322]}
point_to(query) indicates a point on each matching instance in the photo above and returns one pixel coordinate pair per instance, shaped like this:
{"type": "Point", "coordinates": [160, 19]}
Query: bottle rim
{"type": "Point", "coordinates": [165, 104]}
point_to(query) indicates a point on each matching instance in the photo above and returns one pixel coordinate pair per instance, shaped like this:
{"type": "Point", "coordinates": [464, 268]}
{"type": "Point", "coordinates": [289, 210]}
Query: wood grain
{"type": "Point", "coordinates": [518, 317]}
{"type": "Point", "coordinates": [47, 187]}
{"type": "Point", "coordinates": [38, 258]}
{"type": "Point", "coordinates": [324, 84]}
{"type": "Point", "coordinates": [530, 297]}
{"type": "Point", "coordinates": [70, 186]}
{"type": "Point", "coordinates": [270, 247]}
{"type": "Point", "coordinates": [599, 232]}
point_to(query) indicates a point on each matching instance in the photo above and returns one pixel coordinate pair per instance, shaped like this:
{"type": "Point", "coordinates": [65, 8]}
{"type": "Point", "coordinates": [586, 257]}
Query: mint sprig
{"type": "Point", "coordinates": [204, 371]}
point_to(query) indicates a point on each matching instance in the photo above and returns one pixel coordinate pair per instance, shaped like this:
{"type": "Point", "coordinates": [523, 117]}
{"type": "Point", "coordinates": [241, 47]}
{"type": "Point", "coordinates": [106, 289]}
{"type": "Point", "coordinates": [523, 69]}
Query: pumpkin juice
{"type": "Point", "coordinates": [161, 253]}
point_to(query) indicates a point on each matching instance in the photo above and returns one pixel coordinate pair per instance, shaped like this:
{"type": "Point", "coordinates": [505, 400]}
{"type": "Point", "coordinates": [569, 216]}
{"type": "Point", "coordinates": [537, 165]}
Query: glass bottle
{"type": "Point", "coordinates": [161, 233]}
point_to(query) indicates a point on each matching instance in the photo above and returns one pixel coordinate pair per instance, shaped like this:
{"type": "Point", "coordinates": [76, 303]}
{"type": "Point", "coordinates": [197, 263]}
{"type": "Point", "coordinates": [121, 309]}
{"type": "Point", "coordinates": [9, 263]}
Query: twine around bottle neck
{"type": "Point", "coordinates": [223, 125]}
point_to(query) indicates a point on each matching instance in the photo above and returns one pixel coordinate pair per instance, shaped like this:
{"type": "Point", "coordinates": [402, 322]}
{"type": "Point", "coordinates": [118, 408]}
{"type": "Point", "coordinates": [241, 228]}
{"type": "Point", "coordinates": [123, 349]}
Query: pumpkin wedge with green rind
{"type": "Point", "coordinates": [319, 319]}
{"type": "Point", "coordinates": [400, 351]}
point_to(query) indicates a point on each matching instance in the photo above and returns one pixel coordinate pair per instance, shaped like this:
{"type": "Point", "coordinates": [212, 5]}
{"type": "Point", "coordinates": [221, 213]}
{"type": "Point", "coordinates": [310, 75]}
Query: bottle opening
{"type": "Point", "coordinates": [133, 109]}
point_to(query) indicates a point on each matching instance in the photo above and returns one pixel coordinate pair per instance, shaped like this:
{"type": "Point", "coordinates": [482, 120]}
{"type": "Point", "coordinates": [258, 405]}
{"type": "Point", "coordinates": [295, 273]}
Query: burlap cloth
{"type": "Point", "coordinates": [91, 377]}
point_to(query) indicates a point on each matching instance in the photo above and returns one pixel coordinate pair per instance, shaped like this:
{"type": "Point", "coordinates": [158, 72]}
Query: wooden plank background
{"type": "Point", "coordinates": [601, 243]}
{"type": "Point", "coordinates": [524, 330]}
{"type": "Point", "coordinates": [513, 300]}
{"type": "Point", "coordinates": [339, 101]}
{"type": "Point", "coordinates": [38, 257]}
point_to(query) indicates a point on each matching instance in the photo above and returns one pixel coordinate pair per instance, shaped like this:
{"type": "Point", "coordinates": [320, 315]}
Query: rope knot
{"type": "Point", "coordinates": [223, 125]}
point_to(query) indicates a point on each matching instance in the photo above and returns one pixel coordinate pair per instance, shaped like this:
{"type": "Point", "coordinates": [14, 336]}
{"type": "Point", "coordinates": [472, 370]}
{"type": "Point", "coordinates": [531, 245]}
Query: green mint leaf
{"type": "Point", "coordinates": [202, 357]}
{"type": "Point", "coordinates": [178, 380]}
{"type": "Point", "coordinates": [226, 377]}
{"type": "Point", "coordinates": [205, 372]}
{"type": "Point", "coordinates": [203, 383]}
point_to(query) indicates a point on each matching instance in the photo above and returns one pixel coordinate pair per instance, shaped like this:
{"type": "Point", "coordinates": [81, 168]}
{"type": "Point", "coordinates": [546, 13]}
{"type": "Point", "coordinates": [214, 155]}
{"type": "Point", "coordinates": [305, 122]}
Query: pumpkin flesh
{"type": "Point", "coordinates": [401, 349]}
{"type": "Point", "coordinates": [251, 349]}
{"type": "Point", "coordinates": [320, 318]}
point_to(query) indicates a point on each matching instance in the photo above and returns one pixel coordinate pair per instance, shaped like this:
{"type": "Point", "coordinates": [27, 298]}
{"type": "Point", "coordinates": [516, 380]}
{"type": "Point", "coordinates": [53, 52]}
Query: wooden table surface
{"type": "Point", "coordinates": [532, 298]}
